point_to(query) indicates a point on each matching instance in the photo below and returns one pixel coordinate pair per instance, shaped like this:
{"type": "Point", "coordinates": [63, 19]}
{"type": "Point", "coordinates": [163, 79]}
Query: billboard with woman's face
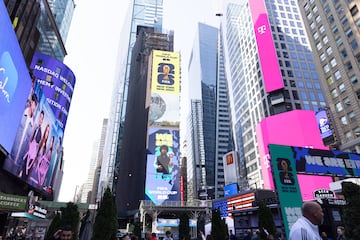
{"type": "Point", "coordinates": [37, 143]}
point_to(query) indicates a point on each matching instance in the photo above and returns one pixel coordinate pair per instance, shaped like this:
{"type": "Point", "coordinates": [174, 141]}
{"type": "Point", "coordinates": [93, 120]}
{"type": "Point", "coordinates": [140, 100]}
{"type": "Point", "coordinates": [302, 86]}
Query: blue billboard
{"type": "Point", "coordinates": [162, 168]}
{"type": "Point", "coordinates": [37, 144]}
{"type": "Point", "coordinates": [15, 82]}
{"type": "Point", "coordinates": [57, 82]}
{"type": "Point", "coordinates": [231, 189]}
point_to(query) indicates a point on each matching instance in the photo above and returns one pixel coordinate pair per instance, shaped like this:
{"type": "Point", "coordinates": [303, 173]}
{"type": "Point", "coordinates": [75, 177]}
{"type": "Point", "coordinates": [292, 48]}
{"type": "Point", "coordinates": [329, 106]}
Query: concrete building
{"type": "Point", "coordinates": [333, 30]}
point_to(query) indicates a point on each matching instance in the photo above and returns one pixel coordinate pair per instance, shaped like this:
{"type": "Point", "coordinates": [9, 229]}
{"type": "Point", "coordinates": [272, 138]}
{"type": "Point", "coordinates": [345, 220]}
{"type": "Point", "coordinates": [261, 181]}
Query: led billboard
{"type": "Point", "coordinates": [37, 143]}
{"type": "Point", "coordinates": [295, 128]}
{"type": "Point", "coordinates": [310, 183]}
{"type": "Point", "coordinates": [325, 128]}
{"type": "Point", "coordinates": [162, 169]}
{"type": "Point", "coordinates": [266, 48]}
{"type": "Point", "coordinates": [15, 82]}
{"type": "Point", "coordinates": [165, 72]}
{"type": "Point", "coordinates": [164, 110]}
{"type": "Point", "coordinates": [230, 167]}
{"type": "Point", "coordinates": [57, 82]}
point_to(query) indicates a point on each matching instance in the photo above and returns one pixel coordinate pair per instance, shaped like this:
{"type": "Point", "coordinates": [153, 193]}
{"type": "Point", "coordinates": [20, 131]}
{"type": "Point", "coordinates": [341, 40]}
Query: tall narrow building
{"type": "Point", "coordinates": [333, 29]}
{"type": "Point", "coordinates": [266, 77]}
{"type": "Point", "coordinates": [141, 13]}
{"type": "Point", "coordinates": [208, 120]}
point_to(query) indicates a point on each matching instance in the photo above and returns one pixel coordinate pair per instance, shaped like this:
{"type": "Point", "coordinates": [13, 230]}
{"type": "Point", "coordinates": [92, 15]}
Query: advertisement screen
{"type": "Point", "coordinates": [325, 129]}
{"type": "Point", "coordinates": [57, 82]}
{"type": "Point", "coordinates": [165, 72]}
{"type": "Point", "coordinates": [229, 163]}
{"type": "Point", "coordinates": [164, 110]}
{"type": "Point", "coordinates": [15, 82]}
{"type": "Point", "coordinates": [37, 143]}
{"type": "Point", "coordinates": [162, 169]}
{"type": "Point", "coordinates": [231, 189]}
{"type": "Point", "coordinates": [287, 185]}
{"type": "Point", "coordinates": [310, 183]}
{"type": "Point", "coordinates": [266, 48]}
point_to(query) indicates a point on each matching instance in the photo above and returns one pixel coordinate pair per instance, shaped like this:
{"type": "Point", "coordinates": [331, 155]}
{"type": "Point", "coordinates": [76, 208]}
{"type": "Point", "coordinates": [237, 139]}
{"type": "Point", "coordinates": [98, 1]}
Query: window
{"type": "Point", "coordinates": [333, 62]}
{"type": "Point", "coordinates": [335, 29]}
{"type": "Point", "coordinates": [337, 75]}
{"type": "Point", "coordinates": [348, 135]}
{"type": "Point", "coordinates": [329, 51]}
{"type": "Point", "coordinates": [312, 25]}
{"type": "Point", "coordinates": [351, 116]}
{"type": "Point", "coordinates": [322, 29]}
{"type": "Point", "coordinates": [339, 10]}
{"type": "Point", "coordinates": [326, 68]}
{"type": "Point", "coordinates": [353, 79]}
{"type": "Point", "coordinates": [342, 88]}
{"type": "Point", "coordinates": [316, 35]}
{"type": "Point", "coordinates": [318, 19]}
{"type": "Point", "coordinates": [344, 20]}
{"type": "Point", "coordinates": [325, 40]}
{"type": "Point", "coordinates": [348, 66]}
{"type": "Point", "coordinates": [343, 53]}
{"type": "Point", "coordinates": [322, 57]}
{"type": "Point", "coordinates": [357, 56]}
{"type": "Point", "coordinates": [315, 9]}
{"type": "Point", "coordinates": [339, 41]}
{"type": "Point", "coordinates": [327, 8]}
{"type": "Point", "coordinates": [346, 101]}
{"type": "Point", "coordinates": [319, 45]}
{"type": "Point", "coordinates": [334, 93]}
{"type": "Point", "coordinates": [354, 10]}
{"type": "Point", "coordinates": [331, 19]}
{"type": "Point", "coordinates": [330, 80]}
{"type": "Point", "coordinates": [339, 107]}
{"type": "Point", "coordinates": [349, 32]}
{"type": "Point", "coordinates": [309, 16]}
{"type": "Point", "coordinates": [354, 44]}
{"type": "Point", "coordinates": [344, 120]}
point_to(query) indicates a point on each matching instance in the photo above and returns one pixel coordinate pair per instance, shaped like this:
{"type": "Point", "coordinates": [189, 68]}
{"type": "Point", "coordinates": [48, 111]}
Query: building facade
{"type": "Point", "coordinates": [251, 100]}
{"type": "Point", "coordinates": [144, 13]}
{"type": "Point", "coordinates": [333, 29]}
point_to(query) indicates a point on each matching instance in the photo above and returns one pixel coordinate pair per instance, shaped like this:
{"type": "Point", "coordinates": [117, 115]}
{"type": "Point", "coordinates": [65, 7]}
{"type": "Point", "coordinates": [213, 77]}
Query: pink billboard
{"type": "Point", "coordinates": [310, 183]}
{"type": "Point", "coordinates": [266, 49]}
{"type": "Point", "coordinates": [294, 128]}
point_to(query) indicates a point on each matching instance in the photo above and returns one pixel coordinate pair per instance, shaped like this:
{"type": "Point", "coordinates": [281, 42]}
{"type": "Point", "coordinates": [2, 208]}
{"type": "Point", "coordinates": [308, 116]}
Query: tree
{"type": "Point", "coordinates": [266, 220]}
{"type": "Point", "coordinates": [68, 215]}
{"type": "Point", "coordinates": [184, 228]}
{"type": "Point", "coordinates": [106, 225]}
{"type": "Point", "coordinates": [218, 226]}
{"type": "Point", "coordinates": [351, 212]}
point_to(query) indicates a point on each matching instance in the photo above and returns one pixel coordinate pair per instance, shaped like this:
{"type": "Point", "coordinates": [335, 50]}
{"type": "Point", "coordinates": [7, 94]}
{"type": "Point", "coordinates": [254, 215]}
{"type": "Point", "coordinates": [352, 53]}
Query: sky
{"type": "Point", "coordinates": [92, 46]}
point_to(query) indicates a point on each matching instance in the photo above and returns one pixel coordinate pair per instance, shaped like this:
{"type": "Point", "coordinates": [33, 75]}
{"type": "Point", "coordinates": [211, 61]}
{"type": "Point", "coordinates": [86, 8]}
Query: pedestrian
{"type": "Point", "coordinates": [256, 235]}
{"type": "Point", "coordinates": [168, 236]}
{"type": "Point", "coordinates": [340, 233]}
{"type": "Point", "coordinates": [64, 233]}
{"type": "Point", "coordinates": [232, 235]}
{"type": "Point", "coordinates": [248, 235]}
{"type": "Point", "coordinates": [306, 227]}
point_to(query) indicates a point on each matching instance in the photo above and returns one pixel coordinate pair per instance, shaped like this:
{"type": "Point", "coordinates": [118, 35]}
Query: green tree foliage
{"type": "Point", "coordinates": [184, 228]}
{"type": "Point", "coordinates": [68, 215]}
{"type": "Point", "coordinates": [351, 213]}
{"type": "Point", "coordinates": [106, 225]}
{"type": "Point", "coordinates": [54, 226]}
{"type": "Point", "coordinates": [218, 226]}
{"type": "Point", "coordinates": [266, 220]}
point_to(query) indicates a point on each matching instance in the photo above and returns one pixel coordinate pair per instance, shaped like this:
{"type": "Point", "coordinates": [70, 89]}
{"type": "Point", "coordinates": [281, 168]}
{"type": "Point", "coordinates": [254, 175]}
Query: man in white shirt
{"type": "Point", "coordinates": [306, 227]}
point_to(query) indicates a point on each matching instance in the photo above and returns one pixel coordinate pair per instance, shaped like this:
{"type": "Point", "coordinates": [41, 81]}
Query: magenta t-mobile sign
{"type": "Point", "coordinates": [267, 54]}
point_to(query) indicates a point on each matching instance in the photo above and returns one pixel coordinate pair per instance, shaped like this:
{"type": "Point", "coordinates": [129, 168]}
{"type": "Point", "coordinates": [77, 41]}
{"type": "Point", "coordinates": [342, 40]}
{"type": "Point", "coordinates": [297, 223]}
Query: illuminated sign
{"type": "Point", "coordinates": [57, 81]}
{"type": "Point", "coordinates": [12, 202]}
{"type": "Point", "coordinates": [15, 82]}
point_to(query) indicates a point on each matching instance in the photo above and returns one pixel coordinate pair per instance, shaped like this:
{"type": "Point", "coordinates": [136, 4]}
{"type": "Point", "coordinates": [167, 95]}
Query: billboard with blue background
{"type": "Point", "coordinates": [37, 144]}
{"type": "Point", "coordinates": [58, 82]}
{"type": "Point", "coordinates": [162, 169]}
{"type": "Point", "coordinates": [15, 82]}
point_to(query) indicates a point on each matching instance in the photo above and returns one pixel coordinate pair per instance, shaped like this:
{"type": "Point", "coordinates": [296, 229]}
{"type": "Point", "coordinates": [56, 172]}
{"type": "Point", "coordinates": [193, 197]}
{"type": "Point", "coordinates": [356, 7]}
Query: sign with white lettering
{"type": "Point", "coordinates": [12, 202]}
{"type": "Point", "coordinates": [324, 194]}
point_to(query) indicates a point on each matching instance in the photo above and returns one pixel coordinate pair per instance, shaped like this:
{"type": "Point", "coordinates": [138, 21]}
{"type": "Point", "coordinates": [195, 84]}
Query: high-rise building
{"type": "Point", "coordinates": [208, 121]}
{"type": "Point", "coordinates": [54, 24]}
{"type": "Point", "coordinates": [333, 29]}
{"type": "Point", "coordinates": [141, 13]}
{"type": "Point", "coordinates": [130, 182]}
{"type": "Point", "coordinates": [266, 77]}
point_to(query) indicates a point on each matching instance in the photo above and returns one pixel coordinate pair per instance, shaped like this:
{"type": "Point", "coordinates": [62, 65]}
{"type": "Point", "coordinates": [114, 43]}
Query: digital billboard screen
{"type": "Point", "coordinates": [266, 47]}
{"type": "Point", "coordinates": [37, 144]}
{"type": "Point", "coordinates": [57, 82]}
{"type": "Point", "coordinates": [162, 169]}
{"type": "Point", "coordinates": [15, 82]}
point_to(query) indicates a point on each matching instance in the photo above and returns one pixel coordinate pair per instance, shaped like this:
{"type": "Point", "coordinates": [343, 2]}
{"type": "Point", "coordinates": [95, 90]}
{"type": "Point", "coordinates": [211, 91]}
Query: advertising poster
{"type": "Point", "coordinates": [230, 173]}
{"type": "Point", "coordinates": [15, 82]}
{"type": "Point", "coordinates": [287, 185]}
{"type": "Point", "coordinates": [266, 48]}
{"type": "Point", "coordinates": [165, 72]}
{"type": "Point", "coordinates": [325, 127]}
{"type": "Point", "coordinates": [57, 82]}
{"type": "Point", "coordinates": [37, 143]}
{"type": "Point", "coordinates": [164, 110]}
{"type": "Point", "coordinates": [162, 169]}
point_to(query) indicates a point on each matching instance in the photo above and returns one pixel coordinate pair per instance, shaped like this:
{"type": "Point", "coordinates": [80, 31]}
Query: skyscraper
{"type": "Point", "coordinates": [141, 12]}
{"type": "Point", "coordinates": [261, 85]}
{"type": "Point", "coordinates": [333, 29]}
{"type": "Point", "coordinates": [208, 121]}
